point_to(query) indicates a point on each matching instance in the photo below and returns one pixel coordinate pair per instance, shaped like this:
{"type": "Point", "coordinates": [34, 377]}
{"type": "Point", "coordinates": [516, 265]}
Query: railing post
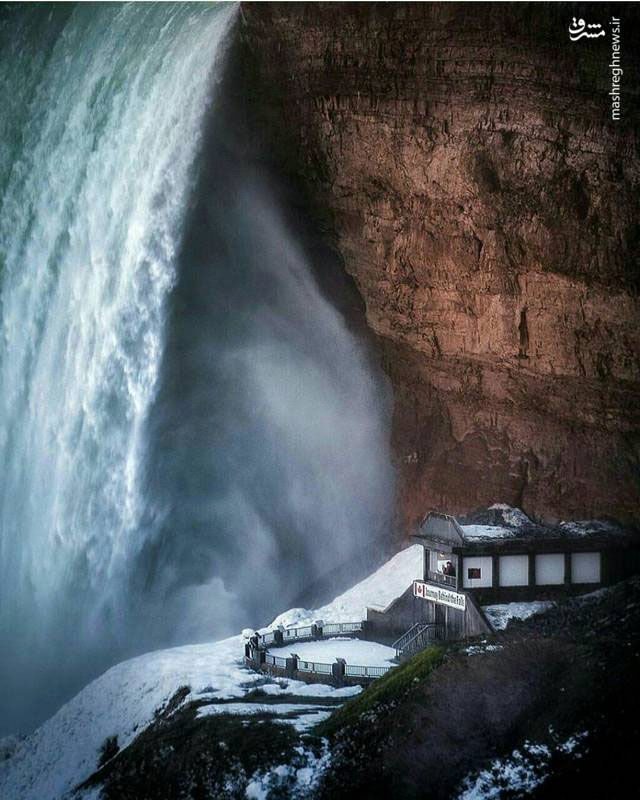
{"type": "Point", "coordinates": [291, 666]}
{"type": "Point", "coordinates": [278, 637]}
{"type": "Point", "coordinates": [316, 629]}
{"type": "Point", "coordinates": [338, 670]}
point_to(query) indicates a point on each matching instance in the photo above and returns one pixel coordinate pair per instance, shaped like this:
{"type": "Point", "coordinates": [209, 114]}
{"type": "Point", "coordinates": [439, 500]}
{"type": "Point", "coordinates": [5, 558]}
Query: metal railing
{"type": "Point", "coordinates": [331, 628]}
{"type": "Point", "coordinates": [354, 671]}
{"type": "Point", "coordinates": [309, 632]}
{"type": "Point", "coordinates": [439, 577]}
{"type": "Point", "coordinates": [314, 666]}
{"type": "Point", "coordinates": [422, 636]}
{"type": "Point", "coordinates": [276, 661]}
{"type": "Point", "coordinates": [304, 632]}
{"type": "Point", "coordinates": [318, 630]}
{"type": "Point", "coordinates": [413, 630]}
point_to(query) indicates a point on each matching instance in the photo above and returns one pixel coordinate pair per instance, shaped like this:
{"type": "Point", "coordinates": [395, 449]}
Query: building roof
{"type": "Point", "coordinates": [506, 529]}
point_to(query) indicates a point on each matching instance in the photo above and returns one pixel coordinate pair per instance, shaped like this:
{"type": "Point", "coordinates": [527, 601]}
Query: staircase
{"type": "Point", "coordinates": [419, 636]}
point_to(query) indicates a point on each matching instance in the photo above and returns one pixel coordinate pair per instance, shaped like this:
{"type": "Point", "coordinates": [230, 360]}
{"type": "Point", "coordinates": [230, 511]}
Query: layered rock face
{"type": "Point", "coordinates": [487, 208]}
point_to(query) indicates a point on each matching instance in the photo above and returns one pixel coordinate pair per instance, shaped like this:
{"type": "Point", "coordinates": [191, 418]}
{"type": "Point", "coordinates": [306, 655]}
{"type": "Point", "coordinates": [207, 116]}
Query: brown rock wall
{"type": "Point", "coordinates": [487, 209]}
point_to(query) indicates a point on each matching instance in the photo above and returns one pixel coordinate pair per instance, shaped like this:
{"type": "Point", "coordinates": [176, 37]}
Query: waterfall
{"type": "Point", "coordinates": [189, 432]}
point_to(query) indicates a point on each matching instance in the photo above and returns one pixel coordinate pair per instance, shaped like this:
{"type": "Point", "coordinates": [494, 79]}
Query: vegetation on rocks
{"type": "Point", "coordinates": [554, 690]}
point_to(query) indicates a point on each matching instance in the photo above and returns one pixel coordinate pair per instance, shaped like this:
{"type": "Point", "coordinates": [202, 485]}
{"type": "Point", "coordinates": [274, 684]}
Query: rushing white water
{"type": "Point", "coordinates": [91, 213]}
{"type": "Point", "coordinates": [105, 548]}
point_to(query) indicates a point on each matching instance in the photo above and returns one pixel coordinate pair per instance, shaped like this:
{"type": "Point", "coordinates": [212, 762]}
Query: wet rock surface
{"type": "Point", "coordinates": [465, 163]}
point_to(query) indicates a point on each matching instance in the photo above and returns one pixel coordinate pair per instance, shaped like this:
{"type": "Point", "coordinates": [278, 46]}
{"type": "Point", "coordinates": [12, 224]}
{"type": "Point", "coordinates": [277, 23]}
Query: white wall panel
{"type": "Point", "coordinates": [514, 570]}
{"type": "Point", "coordinates": [484, 564]}
{"type": "Point", "coordinates": [585, 568]}
{"type": "Point", "coordinates": [550, 569]}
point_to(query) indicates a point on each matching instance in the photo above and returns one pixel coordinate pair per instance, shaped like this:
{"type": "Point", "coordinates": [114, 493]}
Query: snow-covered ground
{"type": "Point", "coordinates": [354, 651]}
{"type": "Point", "coordinates": [522, 771]}
{"type": "Point", "coordinates": [286, 780]}
{"type": "Point", "coordinates": [499, 616]}
{"type": "Point", "coordinates": [64, 751]}
{"type": "Point", "coordinates": [301, 715]}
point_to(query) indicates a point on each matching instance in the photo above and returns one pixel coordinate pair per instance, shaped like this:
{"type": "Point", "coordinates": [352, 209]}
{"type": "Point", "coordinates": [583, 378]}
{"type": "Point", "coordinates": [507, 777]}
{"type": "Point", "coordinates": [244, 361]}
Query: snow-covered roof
{"type": "Point", "coordinates": [501, 524]}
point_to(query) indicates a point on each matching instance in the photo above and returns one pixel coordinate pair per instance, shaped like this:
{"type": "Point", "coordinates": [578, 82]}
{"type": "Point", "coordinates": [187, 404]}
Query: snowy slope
{"type": "Point", "coordinates": [64, 751]}
{"type": "Point", "coordinates": [376, 591]}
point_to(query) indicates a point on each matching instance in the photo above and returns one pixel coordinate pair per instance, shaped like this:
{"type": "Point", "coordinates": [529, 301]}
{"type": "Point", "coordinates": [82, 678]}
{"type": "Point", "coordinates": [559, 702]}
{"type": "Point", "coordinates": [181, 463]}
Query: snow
{"type": "Point", "coordinates": [310, 689]}
{"type": "Point", "coordinates": [573, 744]}
{"type": "Point", "coordinates": [479, 649]}
{"type": "Point", "coordinates": [354, 651]}
{"type": "Point", "coordinates": [301, 715]}
{"type": "Point", "coordinates": [521, 772]}
{"type": "Point", "coordinates": [487, 532]}
{"type": "Point", "coordinates": [500, 615]}
{"type": "Point", "coordinates": [65, 750]}
{"type": "Point", "coordinates": [376, 591]}
{"type": "Point", "coordinates": [510, 515]}
{"type": "Point", "coordinates": [290, 780]}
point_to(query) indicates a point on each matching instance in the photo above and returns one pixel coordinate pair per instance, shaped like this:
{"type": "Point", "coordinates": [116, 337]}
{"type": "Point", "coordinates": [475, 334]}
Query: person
{"type": "Point", "coordinates": [449, 569]}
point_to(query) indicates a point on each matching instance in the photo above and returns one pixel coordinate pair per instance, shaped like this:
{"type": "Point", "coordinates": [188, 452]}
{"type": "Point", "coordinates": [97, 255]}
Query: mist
{"type": "Point", "coordinates": [194, 427]}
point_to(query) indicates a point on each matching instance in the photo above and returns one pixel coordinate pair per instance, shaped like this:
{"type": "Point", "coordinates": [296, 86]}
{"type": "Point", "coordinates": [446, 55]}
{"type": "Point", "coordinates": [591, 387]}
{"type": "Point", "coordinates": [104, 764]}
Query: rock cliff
{"type": "Point", "coordinates": [487, 208]}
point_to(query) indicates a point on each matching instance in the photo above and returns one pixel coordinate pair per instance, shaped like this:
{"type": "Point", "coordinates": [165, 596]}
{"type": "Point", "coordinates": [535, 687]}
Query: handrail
{"type": "Point", "coordinates": [319, 630]}
{"type": "Point", "coordinates": [276, 661]}
{"type": "Point", "coordinates": [355, 671]}
{"type": "Point", "coordinates": [311, 631]}
{"type": "Point", "coordinates": [314, 666]}
{"type": "Point", "coordinates": [341, 627]}
{"type": "Point", "coordinates": [407, 645]}
{"type": "Point", "coordinates": [407, 635]}
{"type": "Point", "coordinates": [427, 632]}
{"type": "Point", "coordinates": [440, 577]}
{"type": "Point", "coordinates": [303, 632]}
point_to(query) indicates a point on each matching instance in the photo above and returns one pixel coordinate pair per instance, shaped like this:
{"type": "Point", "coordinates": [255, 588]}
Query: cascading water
{"type": "Point", "coordinates": [189, 433]}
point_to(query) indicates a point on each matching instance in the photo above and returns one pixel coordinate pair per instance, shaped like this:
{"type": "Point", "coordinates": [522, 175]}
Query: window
{"type": "Point", "coordinates": [474, 573]}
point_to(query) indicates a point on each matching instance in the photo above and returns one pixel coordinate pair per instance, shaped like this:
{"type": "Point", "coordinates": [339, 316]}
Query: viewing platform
{"type": "Point", "coordinates": [334, 653]}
